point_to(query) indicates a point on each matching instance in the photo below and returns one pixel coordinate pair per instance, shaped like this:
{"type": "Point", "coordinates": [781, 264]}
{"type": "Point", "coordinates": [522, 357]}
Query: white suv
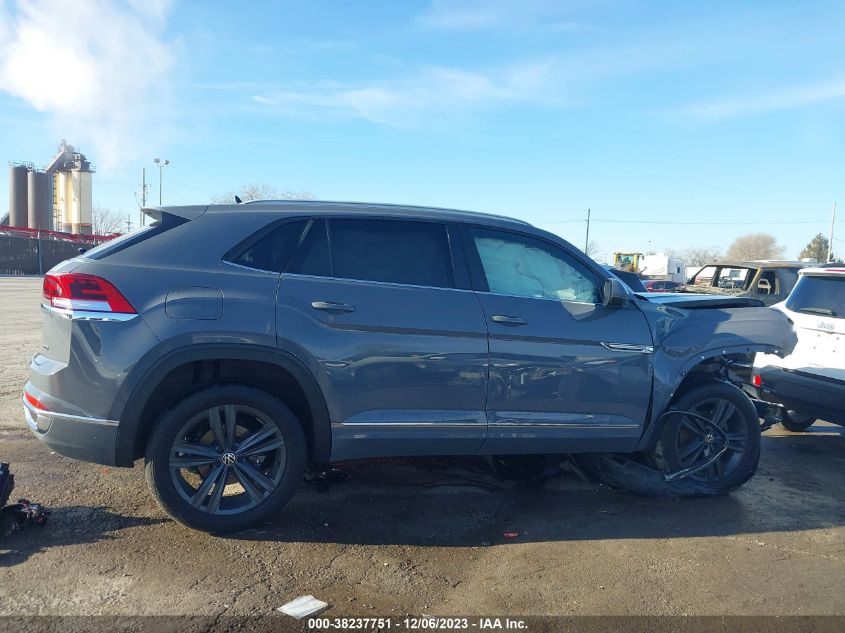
{"type": "Point", "coordinates": [810, 382]}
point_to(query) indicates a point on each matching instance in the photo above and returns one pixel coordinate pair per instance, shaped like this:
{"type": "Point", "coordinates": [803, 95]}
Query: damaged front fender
{"type": "Point", "coordinates": [686, 338]}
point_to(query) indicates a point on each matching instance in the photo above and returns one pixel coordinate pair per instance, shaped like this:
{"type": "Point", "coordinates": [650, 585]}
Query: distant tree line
{"type": "Point", "coordinates": [260, 191]}
{"type": "Point", "coordinates": [750, 247]}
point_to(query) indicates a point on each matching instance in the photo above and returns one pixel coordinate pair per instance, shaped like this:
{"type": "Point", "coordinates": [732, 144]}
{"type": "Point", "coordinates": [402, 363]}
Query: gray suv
{"type": "Point", "coordinates": [229, 346]}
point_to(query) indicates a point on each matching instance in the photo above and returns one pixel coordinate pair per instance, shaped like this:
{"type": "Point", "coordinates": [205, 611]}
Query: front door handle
{"type": "Point", "coordinates": [330, 306]}
{"type": "Point", "coordinates": [508, 320]}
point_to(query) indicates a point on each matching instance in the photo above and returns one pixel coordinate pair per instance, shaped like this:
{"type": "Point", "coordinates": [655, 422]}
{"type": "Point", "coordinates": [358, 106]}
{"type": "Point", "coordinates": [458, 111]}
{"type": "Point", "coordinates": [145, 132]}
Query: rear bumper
{"type": "Point", "coordinates": [822, 397]}
{"type": "Point", "coordinates": [81, 437]}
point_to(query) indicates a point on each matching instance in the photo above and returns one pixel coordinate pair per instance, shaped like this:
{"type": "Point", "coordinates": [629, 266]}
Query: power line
{"type": "Point", "coordinates": [674, 222]}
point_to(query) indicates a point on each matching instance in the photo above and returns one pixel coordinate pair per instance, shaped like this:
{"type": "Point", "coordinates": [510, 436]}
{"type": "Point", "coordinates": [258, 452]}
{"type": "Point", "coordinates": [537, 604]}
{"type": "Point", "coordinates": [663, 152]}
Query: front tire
{"type": "Point", "coordinates": [225, 458]}
{"type": "Point", "coordinates": [688, 442]}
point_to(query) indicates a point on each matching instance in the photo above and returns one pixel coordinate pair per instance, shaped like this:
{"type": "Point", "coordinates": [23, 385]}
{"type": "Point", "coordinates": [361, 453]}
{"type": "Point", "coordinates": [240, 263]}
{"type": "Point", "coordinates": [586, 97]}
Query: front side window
{"type": "Point", "coordinates": [524, 267]}
{"type": "Point", "coordinates": [390, 251]}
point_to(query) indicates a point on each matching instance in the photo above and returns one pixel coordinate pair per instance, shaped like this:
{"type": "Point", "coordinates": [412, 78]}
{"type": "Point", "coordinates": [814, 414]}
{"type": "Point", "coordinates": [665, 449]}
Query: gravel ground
{"type": "Point", "coordinates": [422, 536]}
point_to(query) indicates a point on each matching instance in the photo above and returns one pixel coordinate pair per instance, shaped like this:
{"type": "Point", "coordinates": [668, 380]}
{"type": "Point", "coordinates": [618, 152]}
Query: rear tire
{"type": "Point", "coordinates": [687, 442]}
{"type": "Point", "coordinates": [225, 458]}
{"type": "Point", "coordinates": [797, 422]}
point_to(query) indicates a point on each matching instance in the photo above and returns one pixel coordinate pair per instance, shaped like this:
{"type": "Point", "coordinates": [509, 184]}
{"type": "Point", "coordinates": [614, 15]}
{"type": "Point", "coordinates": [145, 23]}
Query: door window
{"type": "Point", "coordinates": [312, 257]}
{"type": "Point", "coordinates": [521, 266]}
{"type": "Point", "coordinates": [400, 252]}
{"type": "Point", "coordinates": [768, 283]}
{"type": "Point", "coordinates": [391, 251]}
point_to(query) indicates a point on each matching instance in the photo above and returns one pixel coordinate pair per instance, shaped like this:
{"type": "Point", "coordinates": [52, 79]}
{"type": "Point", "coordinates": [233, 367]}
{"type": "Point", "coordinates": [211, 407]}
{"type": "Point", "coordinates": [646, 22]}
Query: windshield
{"type": "Point", "coordinates": [725, 277]}
{"type": "Point", "coordinates": [734, 278]}
{"type": "Point", "coordinates": [824, 296]}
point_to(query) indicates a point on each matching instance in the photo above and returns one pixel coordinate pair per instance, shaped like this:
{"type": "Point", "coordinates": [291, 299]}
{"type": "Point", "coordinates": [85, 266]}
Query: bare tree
{"type": "Point", "coordinates": [700, 255]}
{"type": "Point", "coordinates": [105, 222]}
{"type": "Point", "coordinates": [592, 249]}
{"type": "Point", "coordinates": [260, 191]}
{"type": "Point", "coordinates": [755, 246]}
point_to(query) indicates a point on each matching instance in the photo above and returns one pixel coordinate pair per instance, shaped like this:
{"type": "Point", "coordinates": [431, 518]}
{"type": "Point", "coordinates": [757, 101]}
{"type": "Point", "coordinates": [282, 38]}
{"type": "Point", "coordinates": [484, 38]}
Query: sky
{"type": "Point", "coordinates": [678, 124]}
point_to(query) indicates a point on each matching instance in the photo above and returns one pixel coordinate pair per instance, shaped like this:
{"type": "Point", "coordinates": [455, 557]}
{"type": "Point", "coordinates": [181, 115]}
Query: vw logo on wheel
{"type": "Point", "coordinates": [229, 459]}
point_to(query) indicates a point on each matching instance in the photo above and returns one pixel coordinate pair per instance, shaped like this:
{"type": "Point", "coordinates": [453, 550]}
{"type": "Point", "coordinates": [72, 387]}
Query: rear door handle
{"type": "Point", "coordinates": [329, 306]}
{"type": "Point", "coordinates": [508, 320]}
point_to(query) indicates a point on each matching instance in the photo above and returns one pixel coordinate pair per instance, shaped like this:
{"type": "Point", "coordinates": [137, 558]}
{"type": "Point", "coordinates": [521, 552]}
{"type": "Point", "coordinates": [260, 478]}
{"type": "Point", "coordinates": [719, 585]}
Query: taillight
{"type": "Point", "coordinates": [72, 291]}
{"type": "Point", "coordinates": [35, 402]}
{"type": "Point", "coordinates": [756, 380]}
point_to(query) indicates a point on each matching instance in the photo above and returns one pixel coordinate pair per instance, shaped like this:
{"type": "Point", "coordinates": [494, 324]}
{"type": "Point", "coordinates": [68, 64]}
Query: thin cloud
{"type": "Point", "coordinates": [100, 68]}
{"type": "Point", "coordinates": [763, 103]}
{"type": "Point", "coordinates": [434, 90]}
{"type": "Point", "coordinates": [494, 15]}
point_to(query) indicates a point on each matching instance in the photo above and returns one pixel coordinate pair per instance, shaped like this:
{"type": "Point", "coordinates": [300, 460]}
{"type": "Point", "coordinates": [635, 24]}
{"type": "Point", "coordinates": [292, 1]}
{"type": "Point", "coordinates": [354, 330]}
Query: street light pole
{"type": "Point", "coordinates": [161, 164]}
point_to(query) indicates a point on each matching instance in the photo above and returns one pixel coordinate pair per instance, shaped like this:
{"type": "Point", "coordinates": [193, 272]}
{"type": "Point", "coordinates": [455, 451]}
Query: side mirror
{"type": "Point", "coordinates": [615, 293]}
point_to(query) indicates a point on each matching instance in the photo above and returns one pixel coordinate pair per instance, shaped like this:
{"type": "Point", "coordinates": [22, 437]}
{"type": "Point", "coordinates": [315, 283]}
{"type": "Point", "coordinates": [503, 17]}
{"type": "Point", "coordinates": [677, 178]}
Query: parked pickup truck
{"type": "Point", "coordinates": [767, 280]}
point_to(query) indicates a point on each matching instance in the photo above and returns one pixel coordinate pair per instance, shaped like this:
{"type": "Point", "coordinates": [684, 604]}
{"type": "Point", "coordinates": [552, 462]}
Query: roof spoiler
{"type": "Point", "coordinates": [186, 212]}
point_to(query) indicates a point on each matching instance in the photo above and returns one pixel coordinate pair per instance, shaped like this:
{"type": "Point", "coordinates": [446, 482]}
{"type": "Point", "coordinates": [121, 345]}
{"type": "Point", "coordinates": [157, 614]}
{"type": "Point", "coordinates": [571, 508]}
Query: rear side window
{"type": "Point", "coordinates": [123, 242]}
{"type": "Point", "coordinates": [400, 252]}
{"type": "Point", "coordinates": [270, 249]}
{"type": "Point", "coordinates": [391, 251]}
{"type": "Point", "coordinates": [824, 296]}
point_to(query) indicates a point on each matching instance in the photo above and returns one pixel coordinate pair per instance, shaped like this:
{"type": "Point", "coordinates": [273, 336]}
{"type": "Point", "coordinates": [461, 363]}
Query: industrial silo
{"type": "Point", "coordinates": [39, 200]}
{"type": "Point", "coordinates": [71, 173]}
{"type": "Point", "coordinates": [18, 195]}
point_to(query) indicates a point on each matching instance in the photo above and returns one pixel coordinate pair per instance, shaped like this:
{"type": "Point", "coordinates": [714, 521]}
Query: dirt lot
{"type": "Point", "coordinates": [418, 536]}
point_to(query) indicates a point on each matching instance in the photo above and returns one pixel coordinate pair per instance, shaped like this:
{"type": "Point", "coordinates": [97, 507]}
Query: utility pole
{"type": "Point", "coordinates": [587, 240]}
{"type": "Point", "coordinates": [830, 241]}
{"type": "Point", "coordinates": [143, 196]}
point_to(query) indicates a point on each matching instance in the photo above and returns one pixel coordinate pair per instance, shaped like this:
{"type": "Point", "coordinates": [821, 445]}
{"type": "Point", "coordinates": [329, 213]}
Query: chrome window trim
{"type": "Point", "coordinates": [501, 294]}
{"type": "Point", "coordinates": [257, 270]}
{"type": "Point", "coordinates": [391, 284]}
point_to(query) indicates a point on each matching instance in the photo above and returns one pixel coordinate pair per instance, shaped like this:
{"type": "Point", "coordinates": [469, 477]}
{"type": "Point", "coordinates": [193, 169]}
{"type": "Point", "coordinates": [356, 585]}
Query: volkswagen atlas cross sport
{"type": "Point", "coordinates": [229, 346]}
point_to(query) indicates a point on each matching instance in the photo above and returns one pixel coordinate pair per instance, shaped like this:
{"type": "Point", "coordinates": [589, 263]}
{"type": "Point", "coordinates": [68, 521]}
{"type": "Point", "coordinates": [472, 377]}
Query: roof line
{"type": "Point", "coordinates": [386, 205]}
